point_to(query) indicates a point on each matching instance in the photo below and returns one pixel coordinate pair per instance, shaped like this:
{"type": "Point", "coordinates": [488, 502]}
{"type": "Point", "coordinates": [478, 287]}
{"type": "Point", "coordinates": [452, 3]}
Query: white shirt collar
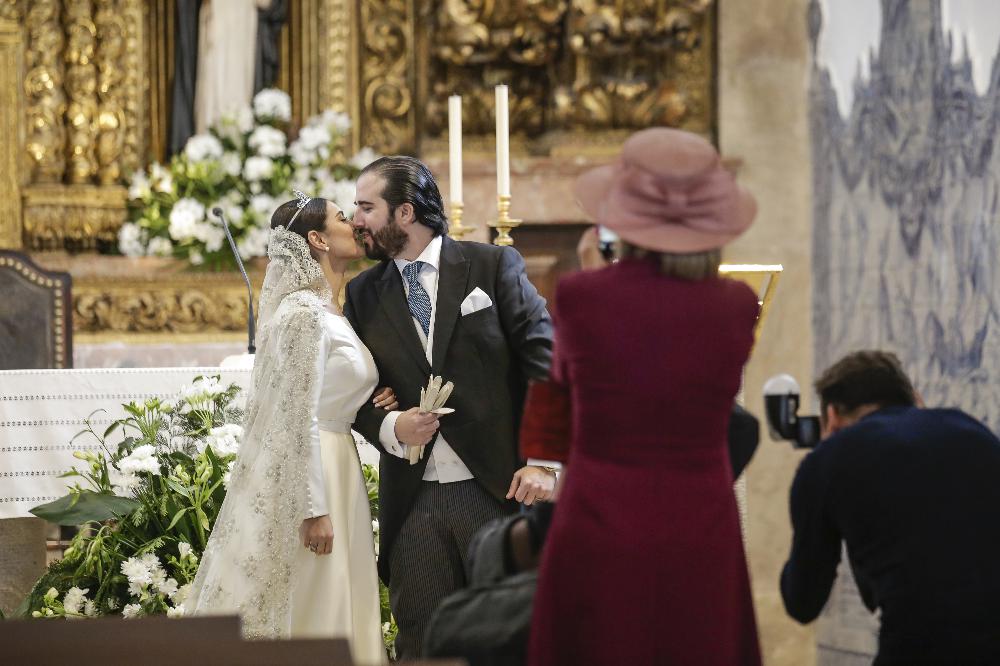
{"type": "Point", "coordinates": [430, 256]}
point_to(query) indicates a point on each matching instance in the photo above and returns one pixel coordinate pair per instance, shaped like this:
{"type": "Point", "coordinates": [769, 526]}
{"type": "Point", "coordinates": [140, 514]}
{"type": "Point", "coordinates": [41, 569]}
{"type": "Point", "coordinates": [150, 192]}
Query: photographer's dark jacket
{"type": "Point", "coordinates": [915, 494]}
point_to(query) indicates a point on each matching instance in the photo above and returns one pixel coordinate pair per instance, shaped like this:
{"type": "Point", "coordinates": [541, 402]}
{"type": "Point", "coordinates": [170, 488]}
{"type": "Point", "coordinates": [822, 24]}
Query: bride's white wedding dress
{"type": "Point", "coordinates": [298, 460]}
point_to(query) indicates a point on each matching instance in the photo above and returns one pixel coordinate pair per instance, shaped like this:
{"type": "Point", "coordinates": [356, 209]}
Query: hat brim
{"type": "Point", "coordinates": [591, 190]}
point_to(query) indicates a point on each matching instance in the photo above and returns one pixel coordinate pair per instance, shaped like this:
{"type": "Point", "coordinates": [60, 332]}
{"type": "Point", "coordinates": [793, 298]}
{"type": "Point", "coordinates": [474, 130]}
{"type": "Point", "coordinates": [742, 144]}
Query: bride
{"type": "Point", "coordinates": [292, 550]}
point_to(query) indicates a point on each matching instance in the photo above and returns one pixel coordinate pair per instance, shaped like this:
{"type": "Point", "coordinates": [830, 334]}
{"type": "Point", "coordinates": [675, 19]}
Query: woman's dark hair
{"type": "Point", "coordinates": [865, 378]}
{"type": "Point", "coordinates": [312, 217]}
{"type": "Point", "coordinates": [408, 180]}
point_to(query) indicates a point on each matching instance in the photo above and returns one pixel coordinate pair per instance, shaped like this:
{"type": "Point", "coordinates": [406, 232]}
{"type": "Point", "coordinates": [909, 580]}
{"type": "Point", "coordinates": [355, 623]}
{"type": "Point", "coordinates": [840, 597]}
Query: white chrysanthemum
{"type": "Point", "coordinates": [176, 611]}
{"type": "Point", "coordinates": [123, 484]}
{"type": "Point", "coordinates": [131, 610]}
{"type": "Point", "coordinates": [184, 549]}
{"type": "Point", "coordinates": [244, 119]}
{"type": "Point", "coordinates": [201, 147]}
{"type": "Point", "coordinates": [194, 256]}
{"type": "Point", "coordinates": [159, 247]}
{"type": "Point", "coordinates": [232, 164]}
{"type": "Point", "coordinates": [364, 157]}
{"type": "Point", "coordinates": [342, 193]}
{"type": "Point", "coordinates": [142, 459]}
{"type": "Point", "coordinates": [74, 600]}
{"type": "Point", "coordinates": [184, 217]}
{"type": "Point", "coordinates": [268, 141]}
{"type": "Point", "coordinates": [130, 240]}
{"type": "Point", "coordinates": [227, 128]}
{"type": "Point", "coordinates": [224, 440]}
{"type": "Point", "coordinates": [273, 103]}
{"type": "Point", "coordinates": [211, 234]}
{"type": "Point", "coordinates": [90, 608]}
{"type": "Point", "coordinates": [258, 168]}
{"type": "Point", "coordinates": [253, 244]}
{"type": "Point", "coordinates": [313, 137]}
{"type": "Point", "coordinates": [205, 389]}
{"type": "Point", "coordinates": [168, 587]}
{"type": "Point", "coordinates": [263, 204]}
{"type": "Point", "coordinates": [182, 594]}
{"type": "Point", "coordinates": [161, 178]}
{"type": "Point", "coordinates": [301, 154]}
{"type": "Point", "coordinates": [137, 573]}
{"type": "Point", "coordinates": [338, 121]}
{"type": "Point", "coordinates": [139, 185]}
{"type": "Point", "coordinates": [302, 180]}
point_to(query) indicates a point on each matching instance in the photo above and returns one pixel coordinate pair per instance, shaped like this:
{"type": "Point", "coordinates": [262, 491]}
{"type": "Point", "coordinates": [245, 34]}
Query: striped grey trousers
{"type": "Point", "coordinates": [428, 558]}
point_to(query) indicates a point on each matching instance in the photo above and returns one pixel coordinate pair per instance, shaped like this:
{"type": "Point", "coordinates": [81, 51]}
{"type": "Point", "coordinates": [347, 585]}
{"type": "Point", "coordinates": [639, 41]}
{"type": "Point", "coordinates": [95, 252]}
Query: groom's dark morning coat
{"type": "Point", "coordinates": [489, 355]}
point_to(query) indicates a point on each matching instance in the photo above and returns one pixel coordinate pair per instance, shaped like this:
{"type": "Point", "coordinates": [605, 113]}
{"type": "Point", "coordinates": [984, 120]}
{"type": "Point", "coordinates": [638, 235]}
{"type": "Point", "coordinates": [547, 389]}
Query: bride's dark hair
{"type": "Point", "coordinates": [312, 217]}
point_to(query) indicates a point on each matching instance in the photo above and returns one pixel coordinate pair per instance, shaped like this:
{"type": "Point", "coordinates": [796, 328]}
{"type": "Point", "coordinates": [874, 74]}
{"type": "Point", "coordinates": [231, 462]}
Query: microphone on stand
{"type": "Point", "coordinates": [251, 348]}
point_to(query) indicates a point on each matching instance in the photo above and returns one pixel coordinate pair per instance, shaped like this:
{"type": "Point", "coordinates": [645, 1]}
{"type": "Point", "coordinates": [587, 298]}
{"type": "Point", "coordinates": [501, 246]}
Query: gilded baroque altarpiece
{"type": "Point", "coordinates": [85, 86]}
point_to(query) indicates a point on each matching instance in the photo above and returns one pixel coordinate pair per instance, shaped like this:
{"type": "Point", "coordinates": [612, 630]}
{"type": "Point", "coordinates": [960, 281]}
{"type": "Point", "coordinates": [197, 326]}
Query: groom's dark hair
{"type": "Point", "coordinates": [408, 180]}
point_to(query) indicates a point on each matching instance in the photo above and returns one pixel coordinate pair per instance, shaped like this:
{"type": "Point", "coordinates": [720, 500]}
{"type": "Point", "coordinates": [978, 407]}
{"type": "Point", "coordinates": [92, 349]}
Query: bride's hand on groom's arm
{"type": "Point", "coordinates": [415, 427]}
{"type": "Point", "coordinates": [317, 534]}
{"type": "Point", "coordinates": [385, 399]}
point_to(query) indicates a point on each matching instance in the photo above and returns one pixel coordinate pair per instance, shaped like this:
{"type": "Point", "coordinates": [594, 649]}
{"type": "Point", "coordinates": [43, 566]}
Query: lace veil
{"type": "Point", "coordinates": [249, 562]}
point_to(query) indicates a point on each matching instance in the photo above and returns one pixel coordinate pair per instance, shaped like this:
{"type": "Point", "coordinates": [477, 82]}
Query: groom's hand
{"type": "Point", "coordinates": [531, 484]}
{"type": "Point", "coordinates": [415, 427]}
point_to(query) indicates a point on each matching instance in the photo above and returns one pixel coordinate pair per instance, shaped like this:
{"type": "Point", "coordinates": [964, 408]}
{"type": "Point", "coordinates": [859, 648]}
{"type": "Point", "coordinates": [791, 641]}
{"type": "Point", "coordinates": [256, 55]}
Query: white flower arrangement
{"type": "Point", "coordinates": [245, 165]}
{"type": "Point", "coordinates": [224, 440]}
{"type": "Point", "coordinates": [272, 104]}
{"type": "Point", "coordinates": [202, 147]}
{"type": "Point", "coordinates": [143, 544]}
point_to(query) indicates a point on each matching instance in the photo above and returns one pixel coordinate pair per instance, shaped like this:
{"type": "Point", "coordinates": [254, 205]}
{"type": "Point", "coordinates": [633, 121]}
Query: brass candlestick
{"type": "Point", "coordinates": [455, 228]}
{"type": "Point", "coordinates": [504, 222]}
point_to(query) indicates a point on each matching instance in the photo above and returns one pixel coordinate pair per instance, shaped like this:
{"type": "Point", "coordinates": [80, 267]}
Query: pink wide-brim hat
{"type": "Point", "coordinates": [668, 192]}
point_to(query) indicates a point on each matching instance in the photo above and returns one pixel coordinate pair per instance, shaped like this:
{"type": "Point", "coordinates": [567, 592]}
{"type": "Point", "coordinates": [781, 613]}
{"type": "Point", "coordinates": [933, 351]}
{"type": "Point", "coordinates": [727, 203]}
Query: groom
{"type": "Point", "coordinates": [464, 311]}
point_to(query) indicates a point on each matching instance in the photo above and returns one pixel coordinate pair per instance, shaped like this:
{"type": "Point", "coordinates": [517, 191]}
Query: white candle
{"type": "Point", "coordinates": [503, 142]}
{"type": "Point", "coordinates": [455, 147]}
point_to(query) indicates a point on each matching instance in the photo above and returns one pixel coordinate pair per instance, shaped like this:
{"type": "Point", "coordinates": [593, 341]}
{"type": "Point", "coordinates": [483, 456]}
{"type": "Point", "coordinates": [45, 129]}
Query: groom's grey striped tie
{"type": "Point", "coordinates": [416, 297]}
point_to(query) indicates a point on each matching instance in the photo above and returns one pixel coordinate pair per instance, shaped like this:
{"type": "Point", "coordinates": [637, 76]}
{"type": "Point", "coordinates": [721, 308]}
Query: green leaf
{"type": "Point", "coordinates": [84, 507]}
{"type": "Point", "coordinates": [178, 488]}
{"type": "Point", "coordinates": [203, 518]}
{"type": "Point", "coordinates": [177, 517]}
{"type": "Point", "coordinates": [111, 429]}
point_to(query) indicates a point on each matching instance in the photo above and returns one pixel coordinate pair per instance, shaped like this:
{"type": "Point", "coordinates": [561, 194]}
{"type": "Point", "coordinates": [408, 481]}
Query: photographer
{"type": "Point", "coordinates": [915, 494]}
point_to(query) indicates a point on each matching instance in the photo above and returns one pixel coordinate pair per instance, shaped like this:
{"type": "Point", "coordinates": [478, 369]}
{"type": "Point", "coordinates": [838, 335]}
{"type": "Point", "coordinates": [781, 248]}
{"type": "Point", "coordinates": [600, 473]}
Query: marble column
{"type": "Point", "coordinates": [22, 559]}
{"type": "Point", "coordinates": [763, 121]}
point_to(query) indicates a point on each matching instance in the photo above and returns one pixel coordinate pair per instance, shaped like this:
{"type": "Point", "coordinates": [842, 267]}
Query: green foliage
{"type": "Point", "coordinates": [85, 506]}
{"type": "Point", "coordinates": [146, 508]}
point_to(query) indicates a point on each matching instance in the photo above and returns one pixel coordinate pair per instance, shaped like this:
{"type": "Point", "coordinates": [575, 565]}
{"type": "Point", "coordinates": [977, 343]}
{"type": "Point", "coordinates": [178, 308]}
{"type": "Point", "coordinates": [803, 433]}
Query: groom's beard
{"type": "Point", "coordinates": [387, 242]}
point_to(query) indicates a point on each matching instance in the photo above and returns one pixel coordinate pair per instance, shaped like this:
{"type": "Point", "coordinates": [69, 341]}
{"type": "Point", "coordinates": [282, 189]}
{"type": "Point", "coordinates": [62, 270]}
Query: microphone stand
{"type": "Point", "coordinates": [251, 326]}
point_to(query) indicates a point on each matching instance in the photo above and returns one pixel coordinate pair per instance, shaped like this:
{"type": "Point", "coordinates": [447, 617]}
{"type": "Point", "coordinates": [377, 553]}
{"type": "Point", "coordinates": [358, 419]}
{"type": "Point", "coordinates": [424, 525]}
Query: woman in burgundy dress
{"type": "Point", "coordinates": [644, 563]}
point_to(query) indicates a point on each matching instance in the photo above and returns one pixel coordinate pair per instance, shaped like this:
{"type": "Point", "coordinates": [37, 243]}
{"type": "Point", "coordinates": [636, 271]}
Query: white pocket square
{"type": "Point", "coordinates": [476, 300]}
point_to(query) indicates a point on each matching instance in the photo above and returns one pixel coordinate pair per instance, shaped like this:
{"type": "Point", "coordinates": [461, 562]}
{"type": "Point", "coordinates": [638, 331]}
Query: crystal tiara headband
{"type": "Point", "coordinates": [303, 200]}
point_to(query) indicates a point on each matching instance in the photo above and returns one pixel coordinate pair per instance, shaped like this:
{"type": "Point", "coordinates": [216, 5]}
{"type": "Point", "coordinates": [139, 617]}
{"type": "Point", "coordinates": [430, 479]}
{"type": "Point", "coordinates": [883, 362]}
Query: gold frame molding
{"type": "Point", "coordinates": [11, 133]}
{"type": "Point", "coordinates": [155, 296]}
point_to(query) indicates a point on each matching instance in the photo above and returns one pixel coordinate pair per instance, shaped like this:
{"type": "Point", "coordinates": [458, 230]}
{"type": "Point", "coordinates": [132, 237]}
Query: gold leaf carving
{"type": "Point", "coordinates": [43, 87]}
{"type": "Point", "coordinates": [81, 87]}
{"type": "Point", "coordinates": [111, 36]}
{"type": "Point", "coordinates": [574, 65]}
{"type": "Point", "coordinates": [387, 66]}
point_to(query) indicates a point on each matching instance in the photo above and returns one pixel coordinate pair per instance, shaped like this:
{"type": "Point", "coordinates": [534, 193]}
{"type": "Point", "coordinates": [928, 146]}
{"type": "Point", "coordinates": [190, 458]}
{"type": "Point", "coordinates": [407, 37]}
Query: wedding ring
{"type": "Point", "coordinates": [312, 547]}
